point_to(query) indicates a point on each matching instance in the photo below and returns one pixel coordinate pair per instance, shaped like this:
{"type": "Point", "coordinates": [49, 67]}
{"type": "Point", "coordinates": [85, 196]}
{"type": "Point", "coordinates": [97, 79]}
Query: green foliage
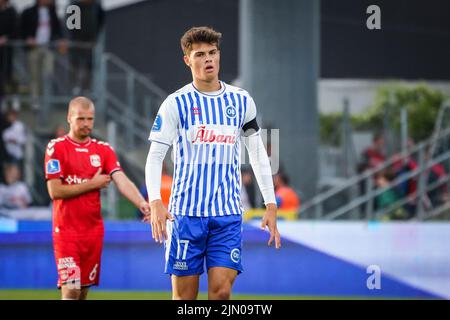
{"type": "Point", "coordinates": [421, 102]}
{"type": "Point", "coordinates": [331, 124]}
{"type": "Point", "coordinates": [330, 127]}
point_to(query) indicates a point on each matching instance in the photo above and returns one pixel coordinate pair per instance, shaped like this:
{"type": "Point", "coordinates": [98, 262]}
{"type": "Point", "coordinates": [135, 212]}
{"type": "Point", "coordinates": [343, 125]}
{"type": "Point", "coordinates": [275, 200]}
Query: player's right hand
{"type": "Point", "coordinates": [99, 180]}
{"type": "Point", "coordinates": [159, 216]}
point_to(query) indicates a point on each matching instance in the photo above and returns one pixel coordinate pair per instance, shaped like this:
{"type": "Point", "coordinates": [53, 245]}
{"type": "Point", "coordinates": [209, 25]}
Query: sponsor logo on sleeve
{"type": "Point", "coordinates": [157, 124]}
{"type": "Point", "coordinates": [53, 166]}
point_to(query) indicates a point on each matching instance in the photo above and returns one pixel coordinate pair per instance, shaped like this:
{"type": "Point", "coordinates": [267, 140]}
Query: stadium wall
{"type": "Point", "coordinates": [317, 259]}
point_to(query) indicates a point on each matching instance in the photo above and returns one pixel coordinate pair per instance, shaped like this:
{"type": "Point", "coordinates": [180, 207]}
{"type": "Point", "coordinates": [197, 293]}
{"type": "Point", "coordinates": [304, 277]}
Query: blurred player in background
{"type": "Point", "coordinates": [204, 121]}
{"type": "Point", "coordinates": [287, 198]}
{"type": "Point", "coordinates": [76, 168]}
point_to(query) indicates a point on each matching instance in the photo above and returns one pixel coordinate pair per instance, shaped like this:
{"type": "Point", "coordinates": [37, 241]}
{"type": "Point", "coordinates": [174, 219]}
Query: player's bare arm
{"type": "Point", "coordinates": [58, 190]}
{"type": "Point", "coordinates": [129, 190]}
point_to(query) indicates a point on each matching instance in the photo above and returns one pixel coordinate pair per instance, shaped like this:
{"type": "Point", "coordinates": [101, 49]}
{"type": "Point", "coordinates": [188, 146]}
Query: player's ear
{"type": "Point", "coordinates": [187, 60]}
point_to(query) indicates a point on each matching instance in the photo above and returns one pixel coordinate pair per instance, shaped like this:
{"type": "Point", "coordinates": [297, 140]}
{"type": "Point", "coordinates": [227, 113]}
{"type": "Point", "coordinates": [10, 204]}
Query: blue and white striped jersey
{"type": "Point", "coordinates": [205, 130]}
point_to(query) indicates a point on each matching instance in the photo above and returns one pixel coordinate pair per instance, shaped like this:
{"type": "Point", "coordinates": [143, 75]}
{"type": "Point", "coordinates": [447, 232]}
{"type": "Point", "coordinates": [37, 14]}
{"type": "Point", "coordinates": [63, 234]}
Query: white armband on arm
{"type": "Point", "coordinates": [261, 166]}
{"type": "Point", "coordinates": [153, 170]}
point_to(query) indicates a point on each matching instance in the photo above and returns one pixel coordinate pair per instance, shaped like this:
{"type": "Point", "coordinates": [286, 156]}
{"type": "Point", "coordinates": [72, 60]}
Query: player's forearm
{"type": "Point", "coordinates": [261, 167]}
{"type": "Point", "coordinates": [129, 190]}
{"type": "Point", "coordinates": [69, 191]}
{"type": "Point", "coordinates": [153, 170]}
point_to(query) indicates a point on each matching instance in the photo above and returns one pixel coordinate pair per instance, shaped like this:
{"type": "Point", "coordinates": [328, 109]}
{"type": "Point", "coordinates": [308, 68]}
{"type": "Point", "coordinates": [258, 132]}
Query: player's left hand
{"type": "Point", "coordinates": [270, 220]}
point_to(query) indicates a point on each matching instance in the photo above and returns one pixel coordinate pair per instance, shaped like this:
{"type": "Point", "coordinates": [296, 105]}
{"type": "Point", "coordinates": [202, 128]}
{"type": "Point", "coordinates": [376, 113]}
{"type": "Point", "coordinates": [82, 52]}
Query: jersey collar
{"type": "Point", "coordinates": [84, 144]}
{"type": "Point", "coordinates": [222, 90]}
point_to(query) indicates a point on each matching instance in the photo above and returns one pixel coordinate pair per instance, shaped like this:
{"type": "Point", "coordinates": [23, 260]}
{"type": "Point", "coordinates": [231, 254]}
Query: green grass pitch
{"type": "Point", "coordinates": [31, 294]}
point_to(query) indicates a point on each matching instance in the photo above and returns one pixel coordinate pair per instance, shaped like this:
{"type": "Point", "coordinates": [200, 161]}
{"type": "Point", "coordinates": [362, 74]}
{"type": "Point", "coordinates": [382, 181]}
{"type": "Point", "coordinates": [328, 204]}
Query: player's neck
{"type": "Point", "coordinates": [206, 86]}
{"type": "Point", "coordinates": [80, 140]}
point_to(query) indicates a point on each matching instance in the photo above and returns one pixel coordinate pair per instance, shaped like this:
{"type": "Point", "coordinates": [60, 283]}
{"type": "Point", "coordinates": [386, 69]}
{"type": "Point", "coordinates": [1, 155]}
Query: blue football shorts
{"type": "Point", "coordinates": [192, 241]}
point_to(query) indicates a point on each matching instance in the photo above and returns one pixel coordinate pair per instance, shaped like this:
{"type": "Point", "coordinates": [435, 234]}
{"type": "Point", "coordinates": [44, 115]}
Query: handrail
{"type": "Point", "coordinates": [152, 95]}
{"type": "Point", "coordinates": [114, 100]}
{"type": "Point", "coordinates": [437, 211]}
{"type": "Point", "coordinates": [359, 201]}
{"type": "Point", "coordinates": [369, 173]}
{"type": "Point", "coordinates": [407, 199]}
{"type": "Point", "coordinates": [129, 69]}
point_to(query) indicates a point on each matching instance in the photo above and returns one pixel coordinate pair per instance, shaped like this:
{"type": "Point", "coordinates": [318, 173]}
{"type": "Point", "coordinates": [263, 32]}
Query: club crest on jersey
{"type": "Point", "coordinates": [157, 124]}
{"type": "Point", "coordinates": [230, 111]}
{"type": "Point", "coordinates": [95, 160]}
{"type": "Point", "coordinates": [53, 166]}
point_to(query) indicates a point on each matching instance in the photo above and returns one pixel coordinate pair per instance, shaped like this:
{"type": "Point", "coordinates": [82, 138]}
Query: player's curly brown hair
{"type": "Point", "coordinates": [197, 35]}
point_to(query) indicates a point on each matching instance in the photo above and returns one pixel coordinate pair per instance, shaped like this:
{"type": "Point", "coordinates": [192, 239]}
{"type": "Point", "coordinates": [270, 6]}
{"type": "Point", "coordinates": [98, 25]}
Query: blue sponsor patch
{"type": "Point", "coordinates": [157, 124]}
{"type": "Point", "coordinates": [53, 166]}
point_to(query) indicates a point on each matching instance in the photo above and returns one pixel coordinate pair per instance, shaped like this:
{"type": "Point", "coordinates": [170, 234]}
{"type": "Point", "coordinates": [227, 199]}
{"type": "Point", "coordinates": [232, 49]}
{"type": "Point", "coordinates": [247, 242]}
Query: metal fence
{"type": "Point", "coordinates": [358, 194]}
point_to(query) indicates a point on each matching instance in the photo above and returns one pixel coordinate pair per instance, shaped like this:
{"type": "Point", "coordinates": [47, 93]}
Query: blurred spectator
{"type": "Point", "coordinates": [40, 26]}
{"type": "Point", "coordinates": [81, 57]}
{"type": "Point", "coordinates": [60, 131]}
{"type": "Point", "coordinates": [286, 197]}
{"type": "Point", "coordinates": [388, 197]}
{"type": "Point", "coordinates": [8, 27]}
{"type": "Point", "coordinates": [14, 194]}
{"type": "Point", "coordinates": [374, 155]}
{"type": "Point", "coordinates": [14, 138]}
{"type": "Point", "coordinates": [371, 157]}
{"type": "Point", "coordinates": [402, 166]}
{"type": "Point", "coordinates": [438, 195]}
{"type": "Point", "coordinates": [248, 189]}
{"type": "Point", "coordinates": [4, 156]}
{"type": "Point", "coordinates": [166, 189]}
{"type": "Point", "coordinates": [245, 200]}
